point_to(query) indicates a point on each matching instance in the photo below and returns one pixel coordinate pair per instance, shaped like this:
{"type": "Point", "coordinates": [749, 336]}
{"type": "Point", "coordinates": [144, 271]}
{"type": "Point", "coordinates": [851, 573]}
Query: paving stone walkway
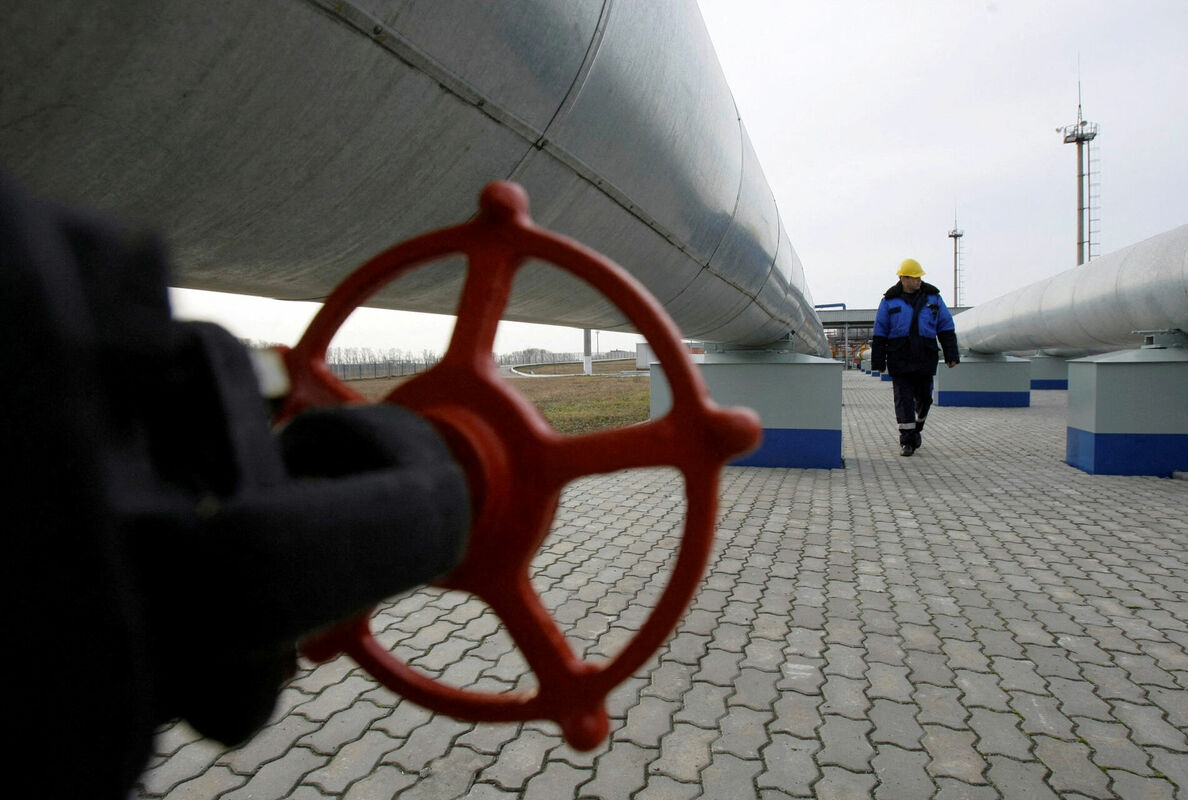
{"type": "Point", "coordinates": [977, 621]}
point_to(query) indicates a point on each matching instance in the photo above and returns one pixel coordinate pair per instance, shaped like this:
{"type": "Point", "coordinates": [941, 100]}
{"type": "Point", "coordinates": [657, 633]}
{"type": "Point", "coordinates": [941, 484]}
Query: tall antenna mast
{"type": "Point", "coordinates": [956, 235]}
{"type": "Point", "coordinates": [1080, 133]}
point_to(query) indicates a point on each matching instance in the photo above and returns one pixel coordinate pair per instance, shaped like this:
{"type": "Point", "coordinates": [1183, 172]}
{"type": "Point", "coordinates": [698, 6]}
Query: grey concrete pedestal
{"type": "Point", "coordinates": [986, 381]}
{"type": "Point", "coordinates": [797, 397]}
{"type": "Point", "coordinates": [1128, 412]}
{"type": "Point", "coordinates": [1049, 372]}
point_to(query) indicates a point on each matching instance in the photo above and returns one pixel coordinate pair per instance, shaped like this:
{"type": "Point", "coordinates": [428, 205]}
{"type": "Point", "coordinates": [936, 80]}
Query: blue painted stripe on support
{"type": "Point", "coordinates": [984, 399]}
{"type": "Point", "coordinates": [1158, 454]}
{"type": "Point", "coordinates": [1049, 383]}
{"type": "Point", "coordinates": [803, 448]}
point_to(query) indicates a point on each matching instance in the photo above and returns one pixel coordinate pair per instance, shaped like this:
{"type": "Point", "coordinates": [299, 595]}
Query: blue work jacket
{"type": "Point", "coordinates": [906, 331]}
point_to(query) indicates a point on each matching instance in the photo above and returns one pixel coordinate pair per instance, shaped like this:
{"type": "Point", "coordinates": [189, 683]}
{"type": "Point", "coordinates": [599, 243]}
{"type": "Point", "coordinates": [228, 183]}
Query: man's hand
{"type": "Point", "coordinates": [951, 364]}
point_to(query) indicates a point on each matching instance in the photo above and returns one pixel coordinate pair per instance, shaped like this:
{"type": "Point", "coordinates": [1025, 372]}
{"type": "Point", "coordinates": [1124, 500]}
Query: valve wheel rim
{"type": "Point", "coordinates": [496, 243]}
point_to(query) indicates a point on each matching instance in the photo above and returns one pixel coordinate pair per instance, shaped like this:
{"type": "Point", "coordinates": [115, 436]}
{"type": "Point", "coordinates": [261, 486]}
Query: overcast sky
{"type": "Point", "coordinates": [877, 122]}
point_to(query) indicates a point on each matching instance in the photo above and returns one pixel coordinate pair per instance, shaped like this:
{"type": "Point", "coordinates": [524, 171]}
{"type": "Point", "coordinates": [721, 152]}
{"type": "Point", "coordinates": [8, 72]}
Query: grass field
{"type": "Point", "coordinates": [572, 403]}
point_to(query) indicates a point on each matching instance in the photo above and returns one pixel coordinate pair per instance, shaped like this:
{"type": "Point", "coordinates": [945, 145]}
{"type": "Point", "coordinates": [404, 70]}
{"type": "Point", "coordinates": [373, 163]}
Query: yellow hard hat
{"type": "Point", "coordinates": [911, 268]}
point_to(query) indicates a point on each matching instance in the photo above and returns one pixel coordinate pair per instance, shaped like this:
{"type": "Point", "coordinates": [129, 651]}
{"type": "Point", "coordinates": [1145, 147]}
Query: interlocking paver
{"type": "Point", "coordinates": [1143, 669]}
{"type": "Point", "coordinates": [845, 696]}
{"type": "Point", "coordinates": [344, 726]}
{"type": "Point", "coordinates": [845, 743]}
{"type": "Point", "coordinates": [626, 696]}
{"type": "Point", "coordinates": [703, 705]}
{"type": "Point", "coordinates": [684, 752]}
{"type": "Point", "coordinates": [763, 654]}
{"type": "Point", "coordinates": [966, 655]}
{"type": "Point", "coordinates": [670, 680]}
{"type": "Point", "coordinates": [662, 787]}
{"type": "Point", "coordinates": [845, 661]}
{"type": "Point", "coordinates": [427, 743]}
{"type": "Point", "coordinates": [519, 760]}
{"type": "Point", "coordinates": [1172, 765]}
{"type": "Point", "coordinates": [798, 714]}
{"type": "Point", "coordinates": [269, 745]}
{"type": "Point", "coordinates": [896, 723]}
{"type": "Point", "coordinates": [841, 784]}
{"type": "Point", "coordinates": [178, 734]}
{"type": "Point", "coordinates": [385, 782]}
{"type": "Point", "coordinates": [719, 667]}
{"type": "Point", "coordinates": [315, 679]}
{"type": "Point", "coordinates": [1041, 715]}
{"type": "Point", "coordinates": [1127, 785]}
{"type": "Point", "coordinates": [1028, 631]}
{"type": "Point", "coordinates": [843, 631]}
{"type": "Point", "coordinates": [1019, 779]}
{"type": "Point", "coordinates": [884, 649]}
{"type": "Point", "coordinates": [999, 734]}
{"type": "Point", "coordinates": [1112, 746]}
{"type": "Point", "coordinates": [448, 776]}
{"type": "Point", "coordinates": [1077, 698]}
{"type": "Point", "coordinates": [981, 689]}
{"type": "Point", "coordinates": [487, 791]}
{"type": "Point", "coordinates": [1168, 656]}
{"type": "Point", "coordinates": [729, 778]}
{"type": "Point", "coordinates": [334, 698]}
{"type": "Point", "coordinates": [488, 737]}
{"type": "Point", "coordinates": [857, 635]}
{"type": "Point", "coordinates": [1174, 704]}
{"type": "Point", "coordinates": [805, 642]}
{"type": "Point", "coordinates": [769, 627]}
{"type": "Point", "coordinates": [888, 682]}
{"type": "Point", "coordinates": [743, 732]}
{"type": "Point", "coordinates": [931, 668]}
{"type": "Point", "coordinates": [1050, 662]}
{"type": "Point", "coordinates": [1148, 727]}
{"type": "Point", "coordinates": [185, 764]}
{"type": "Point", "coordinates": [351, 762]}
{"type": "Point", "coordinates": [621, 772]}
{"type": "Point", "coordinates": [729, 636]}
{"type": "Point", "coordinates": [1072, 768]}
{"type": "Point", "coordinates": [922, 637]}
{"type": "Point", "coordinates": [688, 647]}
{"type": "Point", "coordinates": [902, 774]}
{"type": "Point", "coordinates": [210, 783]}
{"type": "Point", "coordinates": [951, 789]}
{"type": "Point", "coordinates": [648, 721]}
{"type": "Point", "coordinates": [789, 765]}
{"type": "Point", "coordinates": [279, 778]}
{"type": "Point", "coordinates": [953, 754]}
{"type": "Point", "coordinates": [755, 689]}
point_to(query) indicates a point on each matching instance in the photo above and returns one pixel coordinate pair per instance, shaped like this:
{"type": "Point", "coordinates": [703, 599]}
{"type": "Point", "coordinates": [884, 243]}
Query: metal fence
{"type": "Point", "coordinates": [397, 368]}
{"type": "Point", "coordinates": [378, 369]}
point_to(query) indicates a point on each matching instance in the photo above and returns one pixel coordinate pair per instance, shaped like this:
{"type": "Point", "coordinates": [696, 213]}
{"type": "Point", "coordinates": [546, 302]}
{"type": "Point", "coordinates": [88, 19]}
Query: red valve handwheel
{"type": "Point", "coordinates": [517, 464]}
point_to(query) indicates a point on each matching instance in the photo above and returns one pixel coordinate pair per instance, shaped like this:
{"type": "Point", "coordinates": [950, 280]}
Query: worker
{"type": "Point", "coordinates": [911, 318]}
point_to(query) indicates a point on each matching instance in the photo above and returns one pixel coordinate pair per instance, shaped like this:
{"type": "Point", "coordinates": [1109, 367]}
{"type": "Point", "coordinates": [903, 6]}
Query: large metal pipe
{"type": "Point", "coordinates": [1095, 306]}
{"type": "Point", "coordinates": [279, 143]}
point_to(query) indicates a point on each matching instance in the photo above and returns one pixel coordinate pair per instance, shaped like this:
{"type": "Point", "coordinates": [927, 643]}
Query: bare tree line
{"type": "Point", "coordinates": [352, 363]}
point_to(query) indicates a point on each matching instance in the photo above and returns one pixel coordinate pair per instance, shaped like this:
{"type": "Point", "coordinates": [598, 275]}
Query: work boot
{"type": "Point", "coordinates": [906, 450]}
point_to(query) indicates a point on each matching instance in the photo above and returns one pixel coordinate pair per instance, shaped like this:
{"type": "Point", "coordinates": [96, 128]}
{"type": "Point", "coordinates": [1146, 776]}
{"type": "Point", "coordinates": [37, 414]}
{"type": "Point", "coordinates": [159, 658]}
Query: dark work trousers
{"type": "Point", "coordinates": [913, 398]}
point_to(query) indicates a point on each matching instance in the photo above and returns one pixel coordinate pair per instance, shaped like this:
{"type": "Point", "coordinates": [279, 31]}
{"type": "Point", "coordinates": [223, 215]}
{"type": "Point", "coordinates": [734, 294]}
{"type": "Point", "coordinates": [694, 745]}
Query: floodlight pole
{"type": "Point", "coordinates": [955, 235]}
{"type": "Point", "coordinates": [1078, 133]}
